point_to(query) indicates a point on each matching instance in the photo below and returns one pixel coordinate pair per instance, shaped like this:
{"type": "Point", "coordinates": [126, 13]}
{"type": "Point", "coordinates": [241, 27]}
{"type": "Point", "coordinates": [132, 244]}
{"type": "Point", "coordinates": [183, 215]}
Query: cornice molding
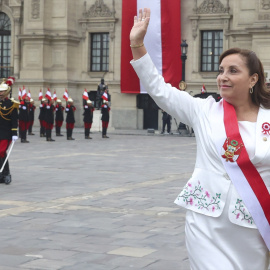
{"type": "Point", "coordinates": [211, 6]}
{"type": "Point", "coordinates": [99, 9]}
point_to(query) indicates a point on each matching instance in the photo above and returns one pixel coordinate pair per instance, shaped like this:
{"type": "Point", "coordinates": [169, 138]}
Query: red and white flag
{"type": "Point", "coordinates": [105, 96]}
{"type": "Point", "coordinates": [48, 94]}
{"type": "Point", "coordinates": [29, 94]}
{"type": "Point", "coordinates": [20, 94]}
{"type": "Point", "coordinates": [24, 93]}
{"type": "Point", "coordinates": [85, 95]}
{"type": "Point", "coordinates": [162, 41]}
{"type": "Point", "coordinates": [54, 96]}
{"type": "Point", "coordinates": [65, 96]}
{"type": "Point", "coordinates": [40, 95]}
{"type": "Point", "coordinates": [203, 90]}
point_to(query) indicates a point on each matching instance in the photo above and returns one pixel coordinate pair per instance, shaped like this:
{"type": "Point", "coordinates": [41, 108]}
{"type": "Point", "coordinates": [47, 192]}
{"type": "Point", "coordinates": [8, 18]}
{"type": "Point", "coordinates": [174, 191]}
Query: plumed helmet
{"type": "Point", "coordinates": [89, 101]}
{"type": "Point", "coordinates": [4, 86]}
{"type": "Point", "coordinates": [59, 100]}
{"type": "Point", "coordinates": [70, 100]}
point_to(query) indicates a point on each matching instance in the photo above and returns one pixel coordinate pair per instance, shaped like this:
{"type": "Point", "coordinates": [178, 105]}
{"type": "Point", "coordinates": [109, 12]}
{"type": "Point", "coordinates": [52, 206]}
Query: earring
{"type": "Point", "coordinates": [251, 90]}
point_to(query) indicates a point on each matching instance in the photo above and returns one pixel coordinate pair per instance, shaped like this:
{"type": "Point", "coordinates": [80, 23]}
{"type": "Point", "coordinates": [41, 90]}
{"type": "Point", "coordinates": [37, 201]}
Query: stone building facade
{"type": "Point", "coordinates": [55, 44]}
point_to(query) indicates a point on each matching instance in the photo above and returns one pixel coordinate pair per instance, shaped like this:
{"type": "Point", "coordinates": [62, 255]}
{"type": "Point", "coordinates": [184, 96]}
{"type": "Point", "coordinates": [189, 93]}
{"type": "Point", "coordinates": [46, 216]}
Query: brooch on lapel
{"type": "Point", "coordinates": [231, 150]}
{"type": "Point", "coordinates": [266, 128]}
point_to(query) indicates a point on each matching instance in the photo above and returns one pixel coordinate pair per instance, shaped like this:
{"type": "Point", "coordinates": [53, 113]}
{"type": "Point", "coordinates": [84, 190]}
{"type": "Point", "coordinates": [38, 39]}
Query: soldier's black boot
{"type": "Point", "coordinates": [23, 137]}
{"type": "Point", "coordinates": [69, 134]}
{"type": "Point", "coordinates": [40, 132]}
{"type": "Point", "coordinates": [30, 130]}
{"type": "Point", "coordinates": [105, 136]}
{"type": "Point", "coordinates": [86, 133]}
{"type": "Point", "coordinates": [6, 174]}
{"type": "Point", "coordinates": [104, 131]}
{"type": "Point", "coordinates": [49, 135]}
{"type": "Point", "coordinates": [57, 132]}
{"type": "Point", "coordinates": [71, 130]}
{"type": "Point", "coordinates": [43, 131]}
{"type": "Point", "coordinates": [60, 132]}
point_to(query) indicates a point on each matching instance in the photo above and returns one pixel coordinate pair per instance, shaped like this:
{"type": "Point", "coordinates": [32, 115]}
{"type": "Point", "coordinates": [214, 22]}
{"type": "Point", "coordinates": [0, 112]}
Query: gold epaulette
{"type": "Point", "coordinates": [16, 104]}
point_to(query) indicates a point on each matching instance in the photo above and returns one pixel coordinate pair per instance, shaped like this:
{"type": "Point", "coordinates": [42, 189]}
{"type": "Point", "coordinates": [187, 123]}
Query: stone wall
{"type": "Point", "coordinates": [50, 46]}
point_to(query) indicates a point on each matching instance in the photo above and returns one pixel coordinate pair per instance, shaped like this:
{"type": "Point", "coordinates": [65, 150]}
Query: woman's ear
{"type": "Point", "coordinates": [254, 79]}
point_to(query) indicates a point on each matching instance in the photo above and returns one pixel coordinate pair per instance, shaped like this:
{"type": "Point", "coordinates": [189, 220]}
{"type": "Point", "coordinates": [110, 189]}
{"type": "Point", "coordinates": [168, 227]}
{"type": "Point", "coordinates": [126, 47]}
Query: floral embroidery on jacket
{"type": "Point", "coordinates": [240, 212]}
{"type": "Point", "coordinates": [198, 197]}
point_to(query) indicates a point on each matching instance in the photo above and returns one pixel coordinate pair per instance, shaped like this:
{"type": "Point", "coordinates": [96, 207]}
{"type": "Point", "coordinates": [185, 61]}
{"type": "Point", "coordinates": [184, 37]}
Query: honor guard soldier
{"type": "Point", "coordinates": [59, 117]}
{"type": "Point", "coordinates": [41, 117]}
{"type": "Point", "coordinates": [105, 110]}
{"type": "Point", "coordinates": [8, 128]}
{"type": "Point", "coordinates": [70, 119]}
{"type": "Point", "coordinates": [49, 120]}
{"type": "Point", "coordinates": [24, 118]}
{"type": "Point", "coordinates": [32, 109]}
{"type": "Point", "coordinates": [88, 118]}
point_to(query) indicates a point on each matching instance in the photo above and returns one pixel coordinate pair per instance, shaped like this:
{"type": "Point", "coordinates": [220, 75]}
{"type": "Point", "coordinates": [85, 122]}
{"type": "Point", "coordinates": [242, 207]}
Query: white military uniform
{"type": "Point", "coordinates": [220, 232]}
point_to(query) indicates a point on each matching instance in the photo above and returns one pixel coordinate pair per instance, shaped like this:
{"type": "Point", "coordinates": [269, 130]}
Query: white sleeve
{"type": "Point", "coordinates": [179, 104]}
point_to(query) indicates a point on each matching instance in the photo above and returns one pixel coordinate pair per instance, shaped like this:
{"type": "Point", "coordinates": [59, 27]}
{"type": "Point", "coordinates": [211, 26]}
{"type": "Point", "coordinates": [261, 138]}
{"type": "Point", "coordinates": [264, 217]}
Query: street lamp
{"type": "Point", "coordinates": [183, 85]}
{"type": "Point", "coordinates": [184, 50]}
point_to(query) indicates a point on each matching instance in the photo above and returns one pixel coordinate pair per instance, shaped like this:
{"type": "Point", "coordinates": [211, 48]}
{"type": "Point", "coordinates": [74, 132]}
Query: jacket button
{"type": "Point", "coordinates": [265, 139]}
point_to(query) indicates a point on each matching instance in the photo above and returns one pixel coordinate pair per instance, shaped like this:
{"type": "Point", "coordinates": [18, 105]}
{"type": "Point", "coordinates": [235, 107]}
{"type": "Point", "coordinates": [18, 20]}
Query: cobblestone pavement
{"type": "Point", "coordinates": [96, 204]}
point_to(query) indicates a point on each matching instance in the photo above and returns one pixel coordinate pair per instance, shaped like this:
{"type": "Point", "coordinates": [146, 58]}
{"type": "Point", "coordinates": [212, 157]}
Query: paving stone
{"type": "Point", "coordinates": [132, 252]}
{"type": "Point", "coordinates": [43, 264]}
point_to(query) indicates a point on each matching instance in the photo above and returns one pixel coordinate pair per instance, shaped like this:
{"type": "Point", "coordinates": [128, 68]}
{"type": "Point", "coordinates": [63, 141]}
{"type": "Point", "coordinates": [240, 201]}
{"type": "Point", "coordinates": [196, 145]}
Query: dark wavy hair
{"type": "Point", "coordinates": [260, 95]}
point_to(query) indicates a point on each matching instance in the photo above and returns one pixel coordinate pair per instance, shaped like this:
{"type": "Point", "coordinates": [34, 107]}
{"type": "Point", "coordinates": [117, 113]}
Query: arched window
{"type": "Point", "coordinates": [5, 45]}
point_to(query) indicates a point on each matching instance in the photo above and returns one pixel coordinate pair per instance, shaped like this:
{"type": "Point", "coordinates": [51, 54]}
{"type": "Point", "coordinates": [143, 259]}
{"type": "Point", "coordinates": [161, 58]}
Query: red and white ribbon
{"type": "Point", "coordinates": [246, 179]}
{"type": "Point", "coordinates": [266, 128]}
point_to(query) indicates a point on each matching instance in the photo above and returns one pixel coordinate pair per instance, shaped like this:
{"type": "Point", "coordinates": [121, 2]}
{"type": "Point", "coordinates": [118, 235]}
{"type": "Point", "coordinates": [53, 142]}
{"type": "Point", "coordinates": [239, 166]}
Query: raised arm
{"type": "Point", "coordinates": [138, 33]}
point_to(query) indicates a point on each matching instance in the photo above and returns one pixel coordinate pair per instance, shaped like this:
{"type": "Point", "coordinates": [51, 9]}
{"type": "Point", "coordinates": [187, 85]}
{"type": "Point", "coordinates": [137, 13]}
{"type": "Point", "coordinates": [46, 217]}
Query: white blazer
{"type": "Point", "coordinates": [207, 190]}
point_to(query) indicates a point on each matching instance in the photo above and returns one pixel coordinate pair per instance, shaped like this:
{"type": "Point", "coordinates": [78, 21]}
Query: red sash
{"type": "Point", "coordinates": [247, 180]}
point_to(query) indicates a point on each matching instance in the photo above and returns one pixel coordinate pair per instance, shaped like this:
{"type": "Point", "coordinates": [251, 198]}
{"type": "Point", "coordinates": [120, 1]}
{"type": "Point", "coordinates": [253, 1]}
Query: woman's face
{"type": "Point", "coordinates": [234, 80]}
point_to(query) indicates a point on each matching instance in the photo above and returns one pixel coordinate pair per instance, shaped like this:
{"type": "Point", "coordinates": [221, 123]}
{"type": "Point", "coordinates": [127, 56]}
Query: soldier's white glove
{"type": "Point", "coordinates": [14, 138]}
{"type": "Point", "coordinates": [67, 109]}
{"type": "Point", "coordinates": [24, 107]}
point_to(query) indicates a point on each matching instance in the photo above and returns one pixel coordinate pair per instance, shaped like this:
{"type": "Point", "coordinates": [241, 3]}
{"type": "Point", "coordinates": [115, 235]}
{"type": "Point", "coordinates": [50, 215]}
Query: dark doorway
{"type": "Point", "coordinates": [92, 96]}
{"type": "Point", "coordinates": [150, 111]}
{"type": "Point", "coordinates": [150, 119]}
